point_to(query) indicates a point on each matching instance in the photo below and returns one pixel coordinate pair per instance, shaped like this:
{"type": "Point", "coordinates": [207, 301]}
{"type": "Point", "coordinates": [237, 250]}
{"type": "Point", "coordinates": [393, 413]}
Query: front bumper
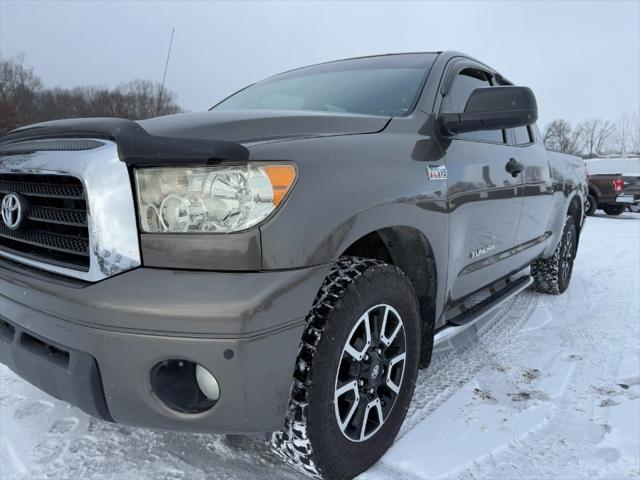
{"type": "Point", "coordinates": [115, 331]}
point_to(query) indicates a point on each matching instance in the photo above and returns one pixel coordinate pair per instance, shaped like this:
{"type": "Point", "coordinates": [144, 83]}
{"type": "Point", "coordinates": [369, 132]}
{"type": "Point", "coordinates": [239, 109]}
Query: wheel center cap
{"type": "Point", "coordinates": [374, 370]}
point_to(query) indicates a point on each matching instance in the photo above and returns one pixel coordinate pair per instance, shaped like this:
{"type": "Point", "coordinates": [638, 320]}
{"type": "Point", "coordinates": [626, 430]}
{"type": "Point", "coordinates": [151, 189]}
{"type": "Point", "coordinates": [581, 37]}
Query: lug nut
{"type": "Point", "coordinates": [360, 383]}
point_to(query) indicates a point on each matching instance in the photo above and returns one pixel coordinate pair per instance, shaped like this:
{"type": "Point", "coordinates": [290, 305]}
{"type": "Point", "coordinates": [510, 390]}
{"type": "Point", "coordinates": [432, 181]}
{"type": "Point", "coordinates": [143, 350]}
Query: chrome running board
{"type": "Point", "coordinates": [483, 310]}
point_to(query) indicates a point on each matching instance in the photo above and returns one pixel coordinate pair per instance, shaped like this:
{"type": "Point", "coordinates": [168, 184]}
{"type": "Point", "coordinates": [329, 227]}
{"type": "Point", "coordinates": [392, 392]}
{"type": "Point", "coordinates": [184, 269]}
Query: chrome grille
{"type": "Point", "coordinates": [79, 217]}
{"type": "Point", "coordinates": [54, 228]}
{"type": "Point", "coordinates": [37, 186]}
{"type": "Point", "coordinates": [58, 215]}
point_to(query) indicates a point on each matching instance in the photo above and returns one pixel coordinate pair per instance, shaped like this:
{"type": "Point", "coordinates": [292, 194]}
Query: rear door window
{"type": "Point", "coordinates": [522, 135]}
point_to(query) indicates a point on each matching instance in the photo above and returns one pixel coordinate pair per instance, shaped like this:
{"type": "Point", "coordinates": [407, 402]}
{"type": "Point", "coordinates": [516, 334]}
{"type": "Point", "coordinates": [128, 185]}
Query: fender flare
{"type": "Point", "coordinates": [558, 224]}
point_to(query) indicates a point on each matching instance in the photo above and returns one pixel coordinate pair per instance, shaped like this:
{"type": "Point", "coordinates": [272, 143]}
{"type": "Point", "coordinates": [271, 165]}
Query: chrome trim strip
{"type": "Point", "coordinates": [485, 262]}
{"type": "Point", "coordinates": [113, 233]}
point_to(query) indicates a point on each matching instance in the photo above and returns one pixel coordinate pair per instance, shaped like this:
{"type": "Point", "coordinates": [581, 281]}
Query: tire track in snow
{"type": "Point", "coordinates": [567, 445]}
{"type": "Point", "coordinates": [451, 370]}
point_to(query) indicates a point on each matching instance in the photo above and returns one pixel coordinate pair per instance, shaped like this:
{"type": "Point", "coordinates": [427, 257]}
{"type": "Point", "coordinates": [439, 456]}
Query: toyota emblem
{"type": "Point", "coordinates": [12, 210]}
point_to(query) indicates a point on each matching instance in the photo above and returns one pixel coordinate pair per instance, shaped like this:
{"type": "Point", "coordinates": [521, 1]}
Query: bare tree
{"type": "Point", "coordinates": [561, 137]}
{"type": "Point", "coordinates": [9, 118]}
{"type": "Point", "coordinates": [24, 100]}
{"type": "Point", "coordinates": [596, 134]}
{"type": "Point", "coordinates": [622, 134]}
{"type": "Point", "coordinates": [634, 135]}
{"type": "Point", "coordinates": [142, 99]}
{"type": "Point", "coordinates": [19, 87]}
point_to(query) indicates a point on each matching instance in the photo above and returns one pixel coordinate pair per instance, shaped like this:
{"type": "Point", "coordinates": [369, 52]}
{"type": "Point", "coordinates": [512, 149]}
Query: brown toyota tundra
{"type": "Point", "coordinates": [285, 262]}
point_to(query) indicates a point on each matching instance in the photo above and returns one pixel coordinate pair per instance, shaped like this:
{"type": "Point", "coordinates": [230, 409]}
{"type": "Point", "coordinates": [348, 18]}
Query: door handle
{"type": "Point", "coordinates": [514, 167]}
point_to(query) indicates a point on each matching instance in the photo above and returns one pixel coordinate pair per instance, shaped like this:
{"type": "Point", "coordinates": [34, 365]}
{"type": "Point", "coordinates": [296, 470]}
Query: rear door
{"type": "Point", "coordinates": [537, 188]}
{"type": "Point", "coordinates": [484, 199]}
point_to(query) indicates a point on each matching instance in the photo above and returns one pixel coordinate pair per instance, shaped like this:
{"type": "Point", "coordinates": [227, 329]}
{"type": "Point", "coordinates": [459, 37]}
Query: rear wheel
{"type": "Point", "coordinates": [355, 372]}
{"type": "Point", "coordinates": [552, 275]}
{"type": "Point", "coordinates": [614, 209]}
{"type": "Point", "coordinates": [591, 205]}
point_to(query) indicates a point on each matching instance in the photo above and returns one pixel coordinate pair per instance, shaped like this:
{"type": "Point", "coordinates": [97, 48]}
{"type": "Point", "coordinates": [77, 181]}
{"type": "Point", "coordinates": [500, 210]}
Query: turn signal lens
{"type": "Point", "coordinates": [281, 178]}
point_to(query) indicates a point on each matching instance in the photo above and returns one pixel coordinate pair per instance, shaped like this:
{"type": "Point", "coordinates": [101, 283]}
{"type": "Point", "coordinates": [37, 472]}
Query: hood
{"type": "Point", "coordinates": [188, 138]}
{"type": "Point", "coordinates": [250, 126]}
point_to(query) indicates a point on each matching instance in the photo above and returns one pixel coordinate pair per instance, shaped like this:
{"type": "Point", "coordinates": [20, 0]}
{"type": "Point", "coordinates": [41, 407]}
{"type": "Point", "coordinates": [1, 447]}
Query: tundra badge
{"type": "Point", "coordinates": [478, 252]}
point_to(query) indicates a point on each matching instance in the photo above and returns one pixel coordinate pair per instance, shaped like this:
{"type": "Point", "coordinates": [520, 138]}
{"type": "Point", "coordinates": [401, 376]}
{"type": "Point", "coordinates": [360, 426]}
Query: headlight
{"type": "Point", "coordinates": [219, 199]}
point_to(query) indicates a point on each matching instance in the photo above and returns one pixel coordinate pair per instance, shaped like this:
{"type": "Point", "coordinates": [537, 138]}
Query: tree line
{"type": "Point", "coordinates": [25, 100]}
{"type": "Point", "coordinates": [595, 136]}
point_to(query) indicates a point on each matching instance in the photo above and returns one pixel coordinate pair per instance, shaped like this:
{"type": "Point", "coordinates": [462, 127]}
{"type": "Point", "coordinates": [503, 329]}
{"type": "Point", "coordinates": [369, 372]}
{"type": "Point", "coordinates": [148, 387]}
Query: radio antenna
{"type": "Point", "coordinates": [164, 76]}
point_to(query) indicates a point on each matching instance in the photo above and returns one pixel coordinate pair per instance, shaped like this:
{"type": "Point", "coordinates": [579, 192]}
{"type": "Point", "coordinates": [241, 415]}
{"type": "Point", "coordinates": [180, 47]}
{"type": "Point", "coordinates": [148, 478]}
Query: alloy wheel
{"type": "Point", "coordinates": [370, 373]}
{"type": "Point", "coordinates": [567, 256]}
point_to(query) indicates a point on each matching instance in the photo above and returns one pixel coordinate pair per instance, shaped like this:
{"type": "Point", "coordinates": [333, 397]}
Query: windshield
{"type": "Point", "coordinates": [387, 86]}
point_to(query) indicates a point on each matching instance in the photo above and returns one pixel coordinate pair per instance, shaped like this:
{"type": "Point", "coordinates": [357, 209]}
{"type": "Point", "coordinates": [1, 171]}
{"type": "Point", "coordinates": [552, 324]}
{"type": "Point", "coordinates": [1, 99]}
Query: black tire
{"type": "Point", "coordinates": [591, 205]}
{"type": "Point", "coordinates": [614, 210]}
{"type": "Point", "coordinates": [552, 275]}
{"type": "Point", "coordinates": [312, 439]}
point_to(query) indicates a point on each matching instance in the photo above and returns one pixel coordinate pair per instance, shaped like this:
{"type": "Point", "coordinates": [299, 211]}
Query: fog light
{"type": "Point", "coordinates": [207, 383]}
{"type": "Point", "coordinates": [184, 386]}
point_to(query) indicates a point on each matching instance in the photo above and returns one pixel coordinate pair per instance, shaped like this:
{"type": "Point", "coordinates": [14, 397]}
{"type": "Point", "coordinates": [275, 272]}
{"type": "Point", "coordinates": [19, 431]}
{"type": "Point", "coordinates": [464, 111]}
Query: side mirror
{"type": "Point", "coordinates": [493, 108]}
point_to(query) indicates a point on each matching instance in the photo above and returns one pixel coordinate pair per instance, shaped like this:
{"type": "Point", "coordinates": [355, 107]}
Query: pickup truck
{"type": "Point", "coordinates": [604, 191]}
{"type": "Point", "coordinates": [613, 192]}
{"type": "Point", "coordinates": [284, 263]}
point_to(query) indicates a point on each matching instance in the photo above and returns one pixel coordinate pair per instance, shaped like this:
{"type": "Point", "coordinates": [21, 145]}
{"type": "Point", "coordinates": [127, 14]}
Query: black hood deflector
{"type": "Point", "coordinates": [136, 146]}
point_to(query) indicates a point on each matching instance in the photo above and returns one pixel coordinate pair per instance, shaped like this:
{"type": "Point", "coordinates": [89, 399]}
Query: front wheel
{"type": "Point", "coordinates": [614, 210]}
{"type": "Point", "coordinates": [355, 372]}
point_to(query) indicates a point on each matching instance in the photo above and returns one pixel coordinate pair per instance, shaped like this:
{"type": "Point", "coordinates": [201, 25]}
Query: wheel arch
{"type": "Point", "coordinates": [576, 211]}
{"type": "Point", "coordinates": [574, 206]}
{"type": "Point", "coordinates": [408, 249]}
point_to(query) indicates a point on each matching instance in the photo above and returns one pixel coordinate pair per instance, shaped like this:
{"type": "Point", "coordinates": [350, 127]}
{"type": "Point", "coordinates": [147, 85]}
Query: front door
{"type": "Point", "coordinates": [484, 200]}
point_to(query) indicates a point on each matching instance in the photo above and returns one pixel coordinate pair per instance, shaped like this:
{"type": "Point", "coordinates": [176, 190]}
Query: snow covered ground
{"type": "Point", "coordinates": [551, 390]}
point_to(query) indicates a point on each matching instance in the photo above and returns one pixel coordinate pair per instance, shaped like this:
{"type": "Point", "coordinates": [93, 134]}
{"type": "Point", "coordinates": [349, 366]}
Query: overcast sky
{"type": "Point", "coordinates": [582, 58]}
